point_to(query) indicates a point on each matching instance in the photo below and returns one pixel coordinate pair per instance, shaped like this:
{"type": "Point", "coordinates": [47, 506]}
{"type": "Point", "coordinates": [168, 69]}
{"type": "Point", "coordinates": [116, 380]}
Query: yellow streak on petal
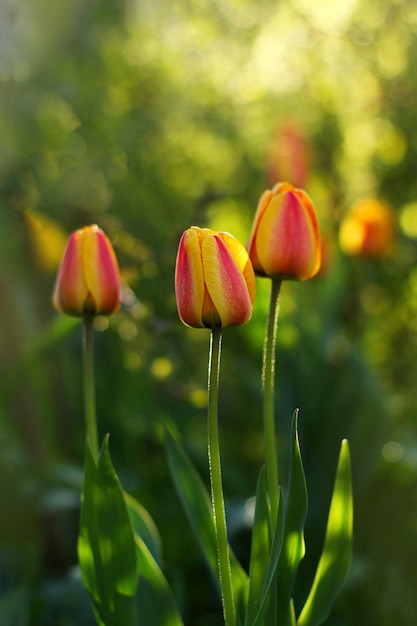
{"type": "Point", "coordinates": [225, 282]}
{"type": "Point", "coordinates": [90, 261]}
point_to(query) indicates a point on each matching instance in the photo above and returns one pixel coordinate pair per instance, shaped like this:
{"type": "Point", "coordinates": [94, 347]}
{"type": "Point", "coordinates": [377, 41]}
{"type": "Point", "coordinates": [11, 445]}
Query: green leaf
{"type": "Point", "coordinates": [260, 549]}
{"type": "Point", "coordinates": [144, 527]}
{"type": "Point", "coordinates": [106, 544]}
{"type": "Point", "coordinates": [197, 506]}
{"type": "Point", "coordinates": [293, 548]}
{"type": "Point", "coordinates": [334, 562]}
{"type": "Point", "coordinates": [272, 565]}
{"type": "Point", "coordinates": [155, 602]}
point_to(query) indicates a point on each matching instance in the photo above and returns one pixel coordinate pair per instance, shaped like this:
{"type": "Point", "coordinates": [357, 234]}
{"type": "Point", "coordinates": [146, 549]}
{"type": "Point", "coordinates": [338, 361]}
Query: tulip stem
{"type": "Point", "coordinates": [268, 383]}
{"type": "Point", "coordinates": [216, 480]}
{"type": "Point", "coordinates": [89, 385]}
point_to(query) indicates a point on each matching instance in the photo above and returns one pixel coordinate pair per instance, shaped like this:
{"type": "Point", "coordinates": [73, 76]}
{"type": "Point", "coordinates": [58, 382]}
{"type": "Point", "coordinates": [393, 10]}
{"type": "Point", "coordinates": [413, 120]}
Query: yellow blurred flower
{"type": "Point", "coordinates": [47, 238]}
{"type": "Point", "coordinates": [368, 230]}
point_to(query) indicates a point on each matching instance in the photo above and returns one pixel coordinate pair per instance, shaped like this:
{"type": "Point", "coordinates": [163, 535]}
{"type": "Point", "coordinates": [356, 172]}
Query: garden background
{"type": "Point", "coordinates": [147, 117]}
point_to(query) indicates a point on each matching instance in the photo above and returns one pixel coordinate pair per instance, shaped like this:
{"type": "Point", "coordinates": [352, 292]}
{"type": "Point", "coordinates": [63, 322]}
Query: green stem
{"type": "Point", "coordinates": [89, 386]}
{"type": "Point", "coordinates": [268, 383]}
{"type": "Point", "coordinates": [216, 480]}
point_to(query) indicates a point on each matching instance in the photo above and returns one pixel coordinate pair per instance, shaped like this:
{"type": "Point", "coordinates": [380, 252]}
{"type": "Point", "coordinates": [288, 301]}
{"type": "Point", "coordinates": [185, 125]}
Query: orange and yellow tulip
{"type": "Point", "coordinates": [285, 238]}
{"type": "Point", "coordinates": [368, 230]}
{"type": "Point", "coordinates": [88, 281]}
{"type": "Point", "coordinates": [214, 280]}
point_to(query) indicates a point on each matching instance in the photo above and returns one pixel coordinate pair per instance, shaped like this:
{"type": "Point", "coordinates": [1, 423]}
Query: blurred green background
{"type": "Point", "coordinates": [147, 117]}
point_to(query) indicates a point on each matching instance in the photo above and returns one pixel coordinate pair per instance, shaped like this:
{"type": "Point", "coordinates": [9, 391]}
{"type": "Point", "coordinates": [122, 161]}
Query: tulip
{"type": "Point", "coordinates": [289, 155]}
{"type": "Point", "coordinates": [284, 244]}
{"type": "Point", "coordinates": [88, 281]}
{"type": "Point", "coordinates": [215, 287]}
{"type": "Point", "coordinates": [368, 230]}
{"type": "Point", "coordinates": [285, 239]}
{"type": "Point", "coordinates": [214, 280]}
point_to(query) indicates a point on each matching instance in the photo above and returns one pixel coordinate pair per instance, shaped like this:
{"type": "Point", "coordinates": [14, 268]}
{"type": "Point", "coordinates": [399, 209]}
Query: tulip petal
{"type": "Point", "coordinates": [225, 282]}
{"type": "Point", "coordinates": [315, 229]}
{"type": "Point", "coordinates": [287, 238]}
{"type": "Point", "coordinates": [250, 246]}
{"type": "Point", "coordinates": [243, 262]}
{"type": "Point", "coordinates": [101, 272]}
{"type": "Point", "coordinates": [189, 280]}
{"type": "Point", "coordinates": [282, 187]}
{"type": "Point", "coordinates": [71, 289]}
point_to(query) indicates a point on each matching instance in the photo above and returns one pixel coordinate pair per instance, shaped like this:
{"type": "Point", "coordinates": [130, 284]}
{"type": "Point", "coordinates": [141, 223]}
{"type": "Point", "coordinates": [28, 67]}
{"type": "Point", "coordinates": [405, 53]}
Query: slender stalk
{"type": "Point", "coordinates": [216, 480]}
{"type": "Point", "coordinates": [89, 385]}
{"type": "Point", "coordinates": [268, 384]}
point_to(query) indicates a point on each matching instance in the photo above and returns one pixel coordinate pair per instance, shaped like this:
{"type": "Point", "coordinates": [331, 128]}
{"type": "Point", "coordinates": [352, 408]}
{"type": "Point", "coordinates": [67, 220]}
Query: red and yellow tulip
{"type": "Point", "coordinates": [368, 230]}
{"type": "Point", "coordinates": [88, 281]}
{"type": "Point", "coordinates": [289, 155]}
{"type": "Point", "coordinates": [214, 280]}
{"type": "Point", "coordinates": [285, 238]}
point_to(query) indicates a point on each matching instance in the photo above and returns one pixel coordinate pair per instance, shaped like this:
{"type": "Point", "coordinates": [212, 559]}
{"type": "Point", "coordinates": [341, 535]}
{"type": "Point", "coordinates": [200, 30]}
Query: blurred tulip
{"type": "Point", "coordinates": [214, 280]}
{"type": "Point", "coordinates": [368, 230]}
{"type": "Point", "coordinates": [289, 155]}
{"type": "Point", "coordinates": [88, 281]}
{"type": "Point", "coordinates": [285, 238]}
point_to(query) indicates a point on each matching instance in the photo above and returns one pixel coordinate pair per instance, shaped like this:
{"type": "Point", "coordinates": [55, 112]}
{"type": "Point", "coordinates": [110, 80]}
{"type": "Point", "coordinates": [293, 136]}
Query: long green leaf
{"type": "Point", "coordinates": [155, 602]}
{"type": "Point", "coordinates": [260, 550]}
{"type": "Point", "coordinates": [197, 506]}
{"type": "Point", "coordinates": [335, 558]}
{"type": "Point", "coordinates": [272, 564]}
{"type": "Point", "coordinates": [106, 543]}
{"type": "Point", "coordinates": [144, 527]}
{"type": "Point", "coordinates": [293, 548]}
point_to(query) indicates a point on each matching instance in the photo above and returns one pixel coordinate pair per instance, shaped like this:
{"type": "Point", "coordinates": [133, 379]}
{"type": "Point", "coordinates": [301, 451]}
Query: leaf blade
{"type": "Point", "coordinates": [293, 548]}
{"type": "Point", "coordinates": [106, 544]}
{"type": "Point", "coordinates": [272, 563]}
{"type": "Point", "coordinates": [197, 507]}
{"type": "Point", "coordinates": [156, 604]}
{"type": "Point", "coordinates": [259, 550]}
{"type": "Point", "coordinates": [334, 562]}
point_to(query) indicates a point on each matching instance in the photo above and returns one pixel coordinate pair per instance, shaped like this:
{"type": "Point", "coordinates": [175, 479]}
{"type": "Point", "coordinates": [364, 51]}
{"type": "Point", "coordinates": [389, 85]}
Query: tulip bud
{"type": "Point", "coordinates": [88, 281]}
{"type": "Point", "coordinates": [214, 280]}
{"type": "Point", "coordinates": [368, 230]}
{"type": "Point", "coordinates": [285, 238]}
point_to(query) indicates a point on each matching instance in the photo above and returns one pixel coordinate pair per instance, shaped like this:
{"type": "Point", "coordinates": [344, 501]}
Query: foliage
{"type": "Point", "coordinates": [147, 118]}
